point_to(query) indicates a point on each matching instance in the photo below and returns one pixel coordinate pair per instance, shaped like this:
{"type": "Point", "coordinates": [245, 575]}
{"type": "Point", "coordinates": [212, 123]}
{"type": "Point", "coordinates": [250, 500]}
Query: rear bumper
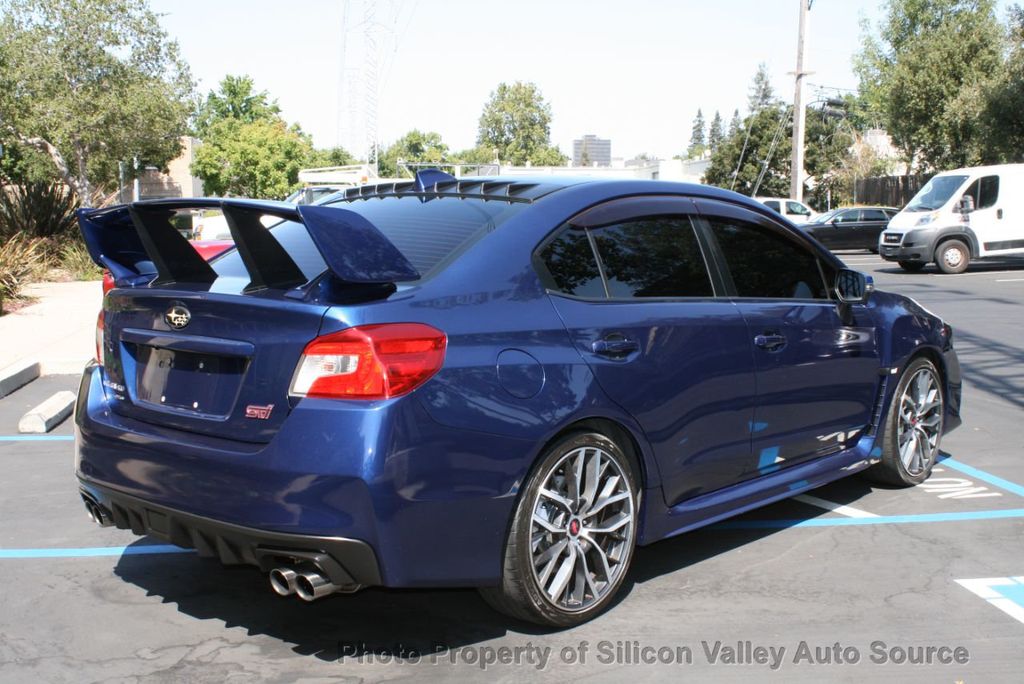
{"type": "Point", "coordinates": [431, 503]}
{"type": "Point", "coordinates": [346, 562]}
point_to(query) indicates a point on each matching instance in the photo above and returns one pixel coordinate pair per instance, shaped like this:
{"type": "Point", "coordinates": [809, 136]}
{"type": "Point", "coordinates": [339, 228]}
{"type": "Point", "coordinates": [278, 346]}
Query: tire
{"type": "Point", "coordinates": [915, 421]}
{"type": "Point", "coordinates": [562, 580]}
{"type": "Point", "coordinates": [912, 266]}
{"type": "Point", "coordinates": [952, 256]}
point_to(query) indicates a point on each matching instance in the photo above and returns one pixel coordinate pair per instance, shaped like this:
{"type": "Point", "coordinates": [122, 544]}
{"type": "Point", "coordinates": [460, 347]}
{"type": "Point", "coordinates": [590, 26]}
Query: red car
{"type": "Point", "coordinates": [208, 249]}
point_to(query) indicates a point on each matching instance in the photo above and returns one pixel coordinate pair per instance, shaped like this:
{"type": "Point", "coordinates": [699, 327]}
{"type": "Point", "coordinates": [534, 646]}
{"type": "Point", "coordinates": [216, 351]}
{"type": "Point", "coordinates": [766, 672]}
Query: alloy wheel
{"type": "Point", "coordinates": [582, 528]}
{"type": "Point", "coordinates": [920, 422]}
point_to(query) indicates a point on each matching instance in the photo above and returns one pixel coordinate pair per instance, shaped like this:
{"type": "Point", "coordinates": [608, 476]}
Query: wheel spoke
{"type": "Point", "coordinates": [561, 580]}
{"type": "Point", "coordinates": [549, 558]}
{"type": "Point", "coordinates": [907, 450]}
{"type": "Point", "coordinates": [547, 525]}
{"type": "Point", "coordinates": [615, 523]}
{"type": "Point", "coordinates": [605, 501]}
{"type": "Point", "coordinates": [592, 476]}
{"type": "Point", "coordinates": [602, 557]}
{"type": "Point", "coordinates": [557, 498]}
{"type": "Point", "coordinates": [588, 578]}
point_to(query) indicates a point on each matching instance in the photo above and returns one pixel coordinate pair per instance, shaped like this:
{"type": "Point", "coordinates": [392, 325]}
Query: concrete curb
{"type": "Point", "coordinates": [17, 375]}
{"type": "Point", "coordinates": [49, 414]}
{"type": "Point", "coordinates": [63, 367]}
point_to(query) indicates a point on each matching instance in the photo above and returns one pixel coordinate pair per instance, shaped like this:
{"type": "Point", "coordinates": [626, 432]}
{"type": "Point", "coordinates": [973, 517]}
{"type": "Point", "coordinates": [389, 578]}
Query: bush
{"type": "Point", "coordinates": [38, 210]}
{"type": "Point", "coordinates": [22, 259]}
{"type": "Point", "coordinates": [74, 258]}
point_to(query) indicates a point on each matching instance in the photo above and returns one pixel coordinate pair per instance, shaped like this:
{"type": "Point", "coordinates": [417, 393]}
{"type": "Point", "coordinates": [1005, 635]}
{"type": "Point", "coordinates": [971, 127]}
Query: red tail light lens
{"type": "Point", "coordinates": [370, 362]}
{"type": "Point", "coordinates": [99, 338]}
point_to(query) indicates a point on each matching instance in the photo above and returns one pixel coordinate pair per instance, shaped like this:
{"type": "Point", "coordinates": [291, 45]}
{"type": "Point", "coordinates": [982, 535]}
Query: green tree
{"type": "Point", "coordinates": [481, 154]}
{"type": "Point", "coordinates": [926, 74]}
{"type": "Point", "coordinates": [764, 157]}
{"type": "Point", "coordinates": [415, 146]}
{"type": "Point", "coordinates": [88, 83]}
{"type": "Point", "coordinates": [735, 123]}
{"type": "Point", "coordinates": [761, 92]}
{"type": "Point", "coordinates": [235, 99]}
{"type": "Point", "coordinates": [1004, 100]}
{"type": "Point", "coordinates": [698, 137]}
{"type": "Point", "coordinates": [331, 156]}
{"type": "Point", "coordinates": [715, 133]}
{"type": "Point", "coordinates": [258, 159]}
{"type": "Point", "coordinates": [516, 122]}
{"type": "Point", "coordinates": [248, 150]}
{"type": "Point", "coordinates": [749, 155]}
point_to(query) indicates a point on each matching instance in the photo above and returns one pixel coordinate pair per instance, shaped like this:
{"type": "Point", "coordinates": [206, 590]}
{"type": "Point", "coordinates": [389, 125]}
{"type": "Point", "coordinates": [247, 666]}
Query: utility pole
{"type": "Point", "coordinates": [796, 172]}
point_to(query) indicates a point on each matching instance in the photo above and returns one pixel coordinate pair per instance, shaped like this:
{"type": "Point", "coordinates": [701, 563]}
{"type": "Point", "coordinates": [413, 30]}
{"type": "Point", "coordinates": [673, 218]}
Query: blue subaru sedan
{"type": "Point", "coordinates": [503, 383]}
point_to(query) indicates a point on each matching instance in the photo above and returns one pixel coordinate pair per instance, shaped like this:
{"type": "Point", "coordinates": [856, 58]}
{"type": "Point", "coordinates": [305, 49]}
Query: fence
{"type": "Point", "coordinates": [889, 191]}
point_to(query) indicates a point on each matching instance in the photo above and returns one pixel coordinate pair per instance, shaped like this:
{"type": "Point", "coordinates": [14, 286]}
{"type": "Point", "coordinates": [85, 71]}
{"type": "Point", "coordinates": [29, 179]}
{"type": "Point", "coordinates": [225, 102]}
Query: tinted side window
{"type": "Point", "coordinates": [873, 215]}
{"type": "Point", "coordinates": [851, 216]}
{"type": "Point", "coordinates": [985, 191]}
{"type": "Point", "coordinates": [772, 204]}
{"type": "Point", "coordinates": [765, 264]}
{"type": "Point", "coordinates": [656, 257]}
{"type": "Point", "coordinates": [989, 191]}
{"type": "Point", "coordinates": [571, 265]}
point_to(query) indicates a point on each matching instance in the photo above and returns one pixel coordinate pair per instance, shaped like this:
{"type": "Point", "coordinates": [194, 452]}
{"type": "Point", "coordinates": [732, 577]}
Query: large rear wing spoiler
{"type": "Point", "coordinates": [138, 241]}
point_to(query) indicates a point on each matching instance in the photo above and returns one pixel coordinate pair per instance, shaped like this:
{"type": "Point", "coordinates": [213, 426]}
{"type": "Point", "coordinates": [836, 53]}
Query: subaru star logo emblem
{"type": "Point", "coordinates": [177, 316]}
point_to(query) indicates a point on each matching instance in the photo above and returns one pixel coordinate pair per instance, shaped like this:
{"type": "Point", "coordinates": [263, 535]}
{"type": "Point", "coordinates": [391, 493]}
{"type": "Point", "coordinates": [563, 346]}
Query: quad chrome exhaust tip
{"type": "Point", "coordinates": [282, 581]}
{"type": "Point", "coordinates": [311, 585]}
{"type": "Point", "coordinates": [97, 513]}
{"type": "Point", "coordinates": [308, 583]}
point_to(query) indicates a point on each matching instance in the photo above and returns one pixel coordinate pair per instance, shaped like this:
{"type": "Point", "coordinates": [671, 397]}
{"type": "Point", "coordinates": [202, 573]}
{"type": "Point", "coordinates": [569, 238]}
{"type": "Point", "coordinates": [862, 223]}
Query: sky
{"type": "Point", "coordinates": [634, 71]}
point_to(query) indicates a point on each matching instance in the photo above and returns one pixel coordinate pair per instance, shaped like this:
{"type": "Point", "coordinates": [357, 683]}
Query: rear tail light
{"type": "Point", "coordinates": [369, 362]}
{"type": "Point", "coordinates": [99, 338]}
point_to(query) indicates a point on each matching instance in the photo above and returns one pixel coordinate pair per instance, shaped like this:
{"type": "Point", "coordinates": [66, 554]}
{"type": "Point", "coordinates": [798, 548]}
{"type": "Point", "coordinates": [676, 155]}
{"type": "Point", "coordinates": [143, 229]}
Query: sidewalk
{"type": "Point", "coordinates": [59, 331]}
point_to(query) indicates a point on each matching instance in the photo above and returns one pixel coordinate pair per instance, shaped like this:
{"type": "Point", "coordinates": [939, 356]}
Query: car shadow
{"type": "Point", "coordinates": [377, 620]}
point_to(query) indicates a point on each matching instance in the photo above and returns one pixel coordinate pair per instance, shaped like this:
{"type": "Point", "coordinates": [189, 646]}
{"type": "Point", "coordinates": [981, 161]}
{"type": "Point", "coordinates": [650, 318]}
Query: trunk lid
{"type": "Point", "coordinates": [214, 364]}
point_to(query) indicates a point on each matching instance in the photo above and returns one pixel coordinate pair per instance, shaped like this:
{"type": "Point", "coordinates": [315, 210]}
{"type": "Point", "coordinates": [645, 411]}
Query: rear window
{"type": "Point", "coordinates": [429, 233]}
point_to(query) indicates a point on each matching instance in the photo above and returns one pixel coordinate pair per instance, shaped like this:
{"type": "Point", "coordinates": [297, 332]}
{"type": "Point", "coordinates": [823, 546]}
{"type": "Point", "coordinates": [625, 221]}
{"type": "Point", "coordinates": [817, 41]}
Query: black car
{"type": "Point", "coordinates": [851, 228]}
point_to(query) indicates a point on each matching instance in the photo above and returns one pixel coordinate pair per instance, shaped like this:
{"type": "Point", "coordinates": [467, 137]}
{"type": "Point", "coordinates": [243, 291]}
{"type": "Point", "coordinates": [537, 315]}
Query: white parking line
{"type": "Point", "coordinates": [848, 511]}
{"type": "Point", "coordinates": [1010, 280]}
{"type": "Point", "coordinates": [1004, 600]}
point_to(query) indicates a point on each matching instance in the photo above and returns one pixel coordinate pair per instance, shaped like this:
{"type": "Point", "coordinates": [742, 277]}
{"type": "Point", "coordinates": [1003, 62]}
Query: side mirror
{"type": "Point", "coordinates": [853, 287]}
{"type": "Point", "coordinates": [966, 205]}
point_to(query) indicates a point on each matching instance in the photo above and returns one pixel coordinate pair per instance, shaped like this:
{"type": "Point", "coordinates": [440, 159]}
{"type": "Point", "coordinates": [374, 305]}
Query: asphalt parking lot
{"type": "Point", "coordinates": [841, 584]}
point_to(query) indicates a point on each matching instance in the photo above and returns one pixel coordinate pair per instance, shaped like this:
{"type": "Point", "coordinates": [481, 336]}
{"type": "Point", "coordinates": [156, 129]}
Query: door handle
{"type": "Point", "coordinates": [999, 213]}
{"type": "Point", "coordinates": [770, 341]}
{"type": "Point", "coordinates": [615, 346]}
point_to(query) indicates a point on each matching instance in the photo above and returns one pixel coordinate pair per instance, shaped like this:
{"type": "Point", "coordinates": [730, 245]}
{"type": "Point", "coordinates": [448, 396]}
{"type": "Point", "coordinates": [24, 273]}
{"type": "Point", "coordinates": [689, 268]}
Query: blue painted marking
{"type": "Point", "coordinates": [37, 438]}
{"type": "Point", "coordinates": [1015, 593]}
{"type": "Point", "coordinates": [982, 475]}
{"type": "Point", "coordinates": [766, 460]}
{"type": "Point", "coordinates": [144, 550]}
{"type": "Point", "coordinates": [880, 520]}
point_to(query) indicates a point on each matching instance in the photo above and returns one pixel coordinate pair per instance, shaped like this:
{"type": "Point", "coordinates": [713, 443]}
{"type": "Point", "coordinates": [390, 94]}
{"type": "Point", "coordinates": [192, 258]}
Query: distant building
{"type": "Point", "coordinates": [177, 182]}
{"type": "Point", "coordinates": [591, 151]}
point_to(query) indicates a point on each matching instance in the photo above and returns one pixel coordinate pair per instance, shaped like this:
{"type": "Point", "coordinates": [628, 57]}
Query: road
{"type": "Point", "coordinates": [851, 572]}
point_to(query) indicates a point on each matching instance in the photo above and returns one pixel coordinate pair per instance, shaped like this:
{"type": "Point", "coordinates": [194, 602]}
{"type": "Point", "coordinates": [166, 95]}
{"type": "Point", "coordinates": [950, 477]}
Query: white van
{"type": "Point", "coordinates": [959, 216]}
{"type": "Point", "coordinates": [795, 211]}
